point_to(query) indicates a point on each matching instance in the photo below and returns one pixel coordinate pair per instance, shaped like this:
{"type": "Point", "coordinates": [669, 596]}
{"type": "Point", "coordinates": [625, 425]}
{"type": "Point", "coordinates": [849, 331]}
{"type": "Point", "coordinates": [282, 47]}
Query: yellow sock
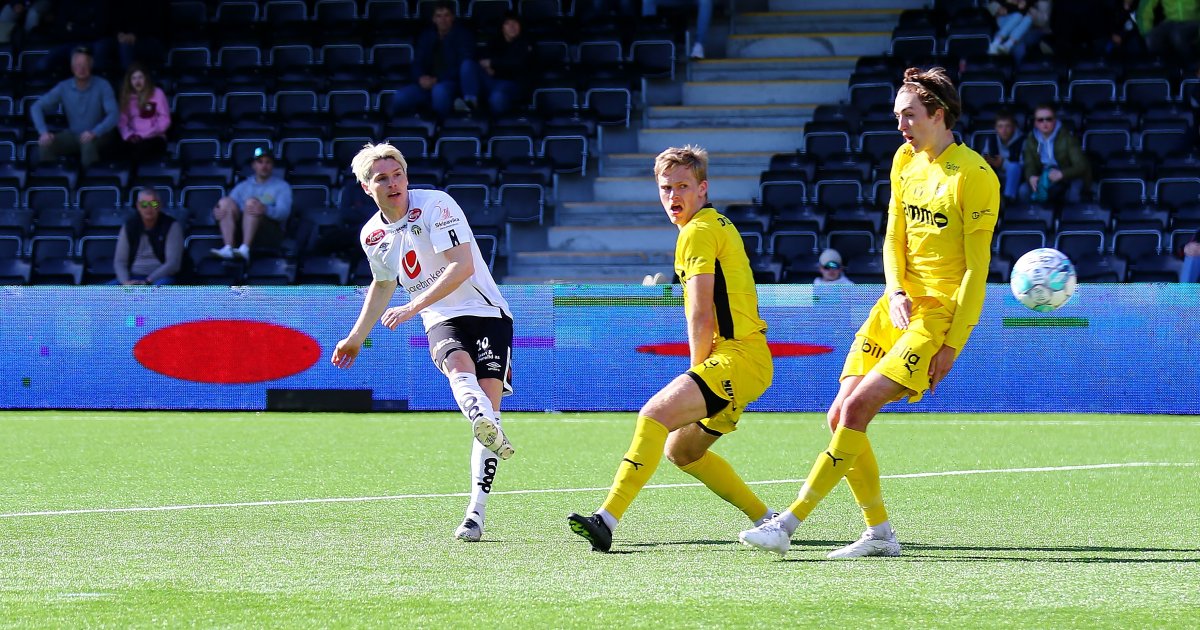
{"type": "Point", "coordinates": [829, 469]}
{"type": "Point", "coordinates": [863, 478]}
{"type": "Point", "coordinates": [719, 476]}
{"type": "Point", "coordinates": [637, 466]}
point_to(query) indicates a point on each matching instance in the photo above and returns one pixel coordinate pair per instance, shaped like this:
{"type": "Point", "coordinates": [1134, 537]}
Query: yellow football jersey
{"type": "Point", "coordinates": [710, 243]}
{"type": "Point", "coordinates": [937, 202]}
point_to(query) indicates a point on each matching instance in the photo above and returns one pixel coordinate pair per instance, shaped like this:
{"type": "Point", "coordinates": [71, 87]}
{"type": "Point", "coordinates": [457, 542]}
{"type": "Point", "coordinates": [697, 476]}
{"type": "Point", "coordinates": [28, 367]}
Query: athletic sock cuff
{"type": "Point", "coordinates": [849, 441]}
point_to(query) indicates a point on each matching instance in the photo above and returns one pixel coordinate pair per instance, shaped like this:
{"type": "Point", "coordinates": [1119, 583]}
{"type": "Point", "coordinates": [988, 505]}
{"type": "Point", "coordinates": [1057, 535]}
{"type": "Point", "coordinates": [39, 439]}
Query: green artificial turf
{"type": "Point", "coordinates": [369, 503]}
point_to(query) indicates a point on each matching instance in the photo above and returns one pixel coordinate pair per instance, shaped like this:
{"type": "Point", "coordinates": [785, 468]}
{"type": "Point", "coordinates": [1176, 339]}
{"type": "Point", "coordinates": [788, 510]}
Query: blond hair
{"type": "Point", "coordinates": [371, 153]}
{"type": "Point", "coordinates": [691, 157]}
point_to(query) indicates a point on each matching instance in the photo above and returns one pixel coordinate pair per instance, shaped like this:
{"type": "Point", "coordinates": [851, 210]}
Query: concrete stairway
{"type": "Point", "coordinates": [780, 65]}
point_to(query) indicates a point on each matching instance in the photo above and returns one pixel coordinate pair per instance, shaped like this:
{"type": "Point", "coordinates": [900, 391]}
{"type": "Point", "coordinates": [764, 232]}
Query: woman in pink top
{"type": "Point", "coordinates": [145, 116]}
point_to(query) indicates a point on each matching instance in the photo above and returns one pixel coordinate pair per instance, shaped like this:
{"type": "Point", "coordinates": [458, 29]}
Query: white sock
{"type": "Point", "coordinates": [483, 474]}
{"type": "Point", "coordinates": [765, 517]}
{"type": "Point", "coordinates": [470, 397]}
{"type": "Point", "coordinates": [608, 519]}
{"type": "Point", "coordinates": [882, 530]}
{"type": "Point", "coordinates": [789, 522]}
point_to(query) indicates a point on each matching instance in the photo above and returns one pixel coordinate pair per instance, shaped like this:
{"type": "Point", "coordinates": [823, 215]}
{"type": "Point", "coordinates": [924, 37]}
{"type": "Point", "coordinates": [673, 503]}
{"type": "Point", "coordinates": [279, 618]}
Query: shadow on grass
{"type": "Point", "coordinates": [919, 552]}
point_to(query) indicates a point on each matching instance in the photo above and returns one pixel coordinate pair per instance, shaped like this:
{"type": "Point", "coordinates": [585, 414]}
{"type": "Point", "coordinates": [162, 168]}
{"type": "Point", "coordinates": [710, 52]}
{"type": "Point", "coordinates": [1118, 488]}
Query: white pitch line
{"type": "Point", "coordinates": [397, 497]}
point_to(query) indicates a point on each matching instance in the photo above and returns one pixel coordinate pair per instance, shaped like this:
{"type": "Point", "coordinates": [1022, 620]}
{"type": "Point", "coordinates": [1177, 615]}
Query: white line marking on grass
{"type": "Point", "coordinates": [444, 495]}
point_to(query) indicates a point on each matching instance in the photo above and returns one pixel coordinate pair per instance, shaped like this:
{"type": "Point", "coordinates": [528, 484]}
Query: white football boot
{"type": "Point", "coordinates": [770, 536]}
{"type": "Point", "coordinates": [868, 545]}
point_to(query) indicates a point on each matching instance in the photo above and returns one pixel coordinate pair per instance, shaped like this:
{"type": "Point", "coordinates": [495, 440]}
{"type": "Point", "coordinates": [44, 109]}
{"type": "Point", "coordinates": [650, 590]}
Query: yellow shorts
{"type": "Point", "coordinates": [901, 355]}
{"type": "Point", "coordinates": [738, 371]}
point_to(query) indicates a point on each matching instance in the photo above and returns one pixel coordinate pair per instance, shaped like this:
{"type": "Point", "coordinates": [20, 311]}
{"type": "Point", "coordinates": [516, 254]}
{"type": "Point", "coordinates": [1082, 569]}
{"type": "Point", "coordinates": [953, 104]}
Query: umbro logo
{"type": "Point", "coordinates": [835, 459]}
{"type": "Point", "coordinates": [635, 465]}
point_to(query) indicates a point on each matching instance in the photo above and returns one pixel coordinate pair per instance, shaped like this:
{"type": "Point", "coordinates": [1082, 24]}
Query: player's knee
{"type": "Point", "coordinates": [681, 455]}
{"type": "Point", "coordinates": [834, 415]}
{"type": "Point", "coordinates": [856, 413]}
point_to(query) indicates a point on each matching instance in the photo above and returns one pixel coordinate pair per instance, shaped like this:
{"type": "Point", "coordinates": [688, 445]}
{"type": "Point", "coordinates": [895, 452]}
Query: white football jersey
{"type": "Point", "coordinates": [413, 250]}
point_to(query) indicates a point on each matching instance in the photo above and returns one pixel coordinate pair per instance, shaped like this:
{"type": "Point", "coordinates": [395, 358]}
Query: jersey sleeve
{"type": "Point", "coordinates": [447, 224]}
{"type": "Point", "coordinates": [893, 239]}
{"type": "Point", "coordinates": [696, 251]}
{"type": "Point", "coordinates": [980, 196]}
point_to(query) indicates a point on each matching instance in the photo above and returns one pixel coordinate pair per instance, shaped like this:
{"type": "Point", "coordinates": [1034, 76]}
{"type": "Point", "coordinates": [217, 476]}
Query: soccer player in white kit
{"type": "Point", "coordinates": [420, 240]}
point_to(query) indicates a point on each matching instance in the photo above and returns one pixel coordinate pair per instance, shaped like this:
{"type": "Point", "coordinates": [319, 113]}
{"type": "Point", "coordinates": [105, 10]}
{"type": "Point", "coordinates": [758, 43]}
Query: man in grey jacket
{"type": "Point", "coordinates": [91, 109]}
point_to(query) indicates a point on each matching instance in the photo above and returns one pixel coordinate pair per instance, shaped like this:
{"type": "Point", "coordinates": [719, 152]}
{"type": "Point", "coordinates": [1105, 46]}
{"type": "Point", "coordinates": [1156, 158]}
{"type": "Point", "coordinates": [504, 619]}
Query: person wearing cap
{"type": "Point", "coordinates": [92, 113]}
{"type": "Point", "coordinates": [832, 271]}
{"type": "Point", "coordinates": [263, 204]}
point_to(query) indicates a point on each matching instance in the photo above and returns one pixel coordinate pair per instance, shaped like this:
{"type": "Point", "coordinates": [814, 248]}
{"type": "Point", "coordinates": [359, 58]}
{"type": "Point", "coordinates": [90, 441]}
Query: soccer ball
{"type": "Point", "coordinates": [1043, 279]}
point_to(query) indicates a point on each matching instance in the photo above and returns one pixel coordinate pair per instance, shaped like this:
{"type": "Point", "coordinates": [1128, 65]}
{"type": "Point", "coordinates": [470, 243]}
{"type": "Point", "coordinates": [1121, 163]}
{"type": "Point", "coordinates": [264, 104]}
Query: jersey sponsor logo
{"type": "Point", "coordinates": [489, 475]}
{"type": "Point", "coordinates": [412, 266]}
{"type": "Point", "coordinates": [445, 214]}
{"type": "Point", "coordinates": [442, 344]}
{"type": "Point", "coordinates": [493, 366]}
{"type": "Point", "coordinates": [447, 223]}
{"type": "Point", "coordinates": [911, 359]}
{"type": "Point", "coordinates": [979, 213]}
{"type": "Point", "coordinates": [414, 214]}
{"type": "Point", "coordinates": [374, 237]}
{"type": "Point", "coordinates": [425, 283]}
{"type": "Point", "coordinates": [416, 230]}
{"type": "Point", "coordinates": [872, 349]}
{"type": "Point", "coordinates": [924, 215]}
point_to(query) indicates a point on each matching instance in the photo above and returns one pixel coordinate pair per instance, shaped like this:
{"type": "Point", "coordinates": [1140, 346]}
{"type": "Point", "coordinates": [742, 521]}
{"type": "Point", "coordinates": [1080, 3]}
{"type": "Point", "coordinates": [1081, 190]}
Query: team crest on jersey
{"type": "Point", "coordinates": [414, 214]}
{"type": "Point", "coordinates": [412, 266]}
{"type": "Point", "coordinates": [374, 237]}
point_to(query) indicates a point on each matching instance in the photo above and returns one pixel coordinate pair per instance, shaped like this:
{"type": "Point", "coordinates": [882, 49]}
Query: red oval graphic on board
{"type": "Point", "coordinates": [227, 351]}
{"type": "Point", "coordinates": [778, 349]}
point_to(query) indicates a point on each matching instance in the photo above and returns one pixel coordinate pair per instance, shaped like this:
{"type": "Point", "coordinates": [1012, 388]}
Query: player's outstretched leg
{"type": "Point", "coordinates": [476, 406]}
{"type": "Point", "coordinates": [484, 465]}
{"type": "Point", "coordinates": [879, 539]}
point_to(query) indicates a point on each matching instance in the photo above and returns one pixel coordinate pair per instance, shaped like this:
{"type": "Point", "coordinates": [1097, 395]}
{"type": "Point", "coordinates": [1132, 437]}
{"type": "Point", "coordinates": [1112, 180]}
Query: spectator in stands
{"type": "Point", "coordinates": [1012, 21]}
{"type": "Point", "coordinates": [1190, 272]}
{"type": "Point", "coordinates": [91, 110]}
{"type": "Point", "coordinates": [508, 67]}
{"type": "Point", "coordinates": [1176, 35]}
{"type": "Point", "coordinates": [136, 33]}
{"type": "Point", "coordinates": [1039, 28]}
{"type": "Point", "coordinates": [149, 246]}
{"type": "Point", "coordinates": [1005, 157]}
{"type": "Point", "coordinates": [355, 208]}
{"type": "Point", "coordinates": [263, 203]}
{"type": "Point", "coordinates": [28, 12]}
{"type": "Point", "coordinates": [1056, 168]}
{"type": "Point", "coordinates": [445, 74]}
{"type": "Point", "coordinates": [145, 115]}
{"type": "Point", "coordinates": [1125, 40]}
{"type": "Point", "coordinates": [831, 268]}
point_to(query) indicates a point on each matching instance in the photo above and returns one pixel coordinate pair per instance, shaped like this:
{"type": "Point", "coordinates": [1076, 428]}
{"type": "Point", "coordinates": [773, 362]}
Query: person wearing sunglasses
{"type": "Point", "coordinates": [149, 246]}
{"type": "Point", "coordinates": [1056, 168]}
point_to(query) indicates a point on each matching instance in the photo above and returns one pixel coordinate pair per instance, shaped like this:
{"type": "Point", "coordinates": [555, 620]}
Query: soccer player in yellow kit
{"type": "Point", "coordinates": [936, 250]}
{"type": "Point", "coordinates": [731, 364]}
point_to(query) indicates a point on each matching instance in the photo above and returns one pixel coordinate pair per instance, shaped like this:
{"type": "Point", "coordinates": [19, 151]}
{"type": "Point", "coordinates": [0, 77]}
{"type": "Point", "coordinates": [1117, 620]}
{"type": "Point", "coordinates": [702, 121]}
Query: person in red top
{"type": "Point", "coordinates": [145, 116]}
